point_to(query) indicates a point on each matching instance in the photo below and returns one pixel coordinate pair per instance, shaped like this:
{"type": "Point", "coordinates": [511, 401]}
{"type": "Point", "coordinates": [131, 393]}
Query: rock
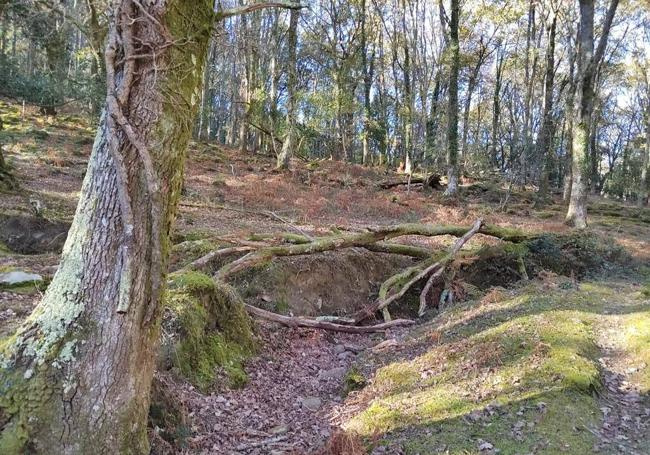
{"type": "Point", "coordinates": [334, 373]}
{"type": "Point", "coordinates": [339, 348]}
{"type": "Point", "coordinates": [279, 429]}
{"type": "Point", "coordinates": [484, 445]}
{"type": "Point", "coordinates": [311, 403]}
{"type": "Point", "coordinates": [345, 355]}
{"type": "Point", "coordinates": [354, 348]}
{"type": "Point", "coordinates": [474, 416]}
{"type": "Point", "coordinates": [385, 345]}
{"type": "Point", "coordinates": [18, 277]}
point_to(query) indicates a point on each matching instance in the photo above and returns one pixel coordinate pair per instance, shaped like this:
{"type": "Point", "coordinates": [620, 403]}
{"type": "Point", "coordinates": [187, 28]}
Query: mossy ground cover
{"type": "Point", "coordinates": [516, 372]}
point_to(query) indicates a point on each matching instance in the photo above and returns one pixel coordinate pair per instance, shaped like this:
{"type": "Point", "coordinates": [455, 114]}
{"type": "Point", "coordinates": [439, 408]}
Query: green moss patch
{"type": "Point", "coordinates": [187, 251]}
{"type": "Point", "coordinates": [353, 380]}
{"type": "Point", "coordinates": [518, 372]}
{"type": "Point", "coordinates": [209, 330]}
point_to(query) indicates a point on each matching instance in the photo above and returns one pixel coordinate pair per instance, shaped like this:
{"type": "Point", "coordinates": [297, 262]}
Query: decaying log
{"type": "Point", "coordinates": [432, 181]}
{"type": "Point", "coordinates": [324, 325]}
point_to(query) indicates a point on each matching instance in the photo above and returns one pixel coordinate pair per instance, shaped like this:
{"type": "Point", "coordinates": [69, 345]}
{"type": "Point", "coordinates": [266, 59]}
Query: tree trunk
{"type": "Point", "coordinates": [367, 68]}
{"type": "Point", "coordinates": [587, 63]}
{"type": "Point", "coordinates": [292, 80]}
{"type": "Point", "coordinates": [529, 83]}
{"type": "Point", "coordinates": [570, 114]}
{"type": "Point", "coordinates": [468, 103]}
{"type": "Point", "coordinates": [645, 167]}
{"type": "Point", "coordinates": [77, 375]}
{"type": "Point", "coordinates": [496, 108]}
{"type": "Point", "coordinates": [546, 135]}
{"type": "Point", "coordinates": [452, 116]}
{"type": "Point", "coordinates": [407, 143]}
{"type": "Point", "coordinates": [431, 126]}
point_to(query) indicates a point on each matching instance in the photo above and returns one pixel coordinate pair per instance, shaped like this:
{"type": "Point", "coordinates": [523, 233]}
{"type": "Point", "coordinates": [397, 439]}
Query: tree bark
{"type": "Point", "coordinates": [529, 83]}
{"type": "Point", "coordinates": [496, 107]}
{"type": "Point", "coordinates": [76, 378]}
{"type": "Point", "coordinates": [569, 115]}
{"type": "Point", "coordinates": [645, 166]}
{"type": "Point", "coordinates": [367, 68]}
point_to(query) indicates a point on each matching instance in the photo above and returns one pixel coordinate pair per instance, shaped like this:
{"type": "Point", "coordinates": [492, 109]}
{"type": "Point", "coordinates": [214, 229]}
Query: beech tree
{"type": "Point", "coordinates": [76, 376]}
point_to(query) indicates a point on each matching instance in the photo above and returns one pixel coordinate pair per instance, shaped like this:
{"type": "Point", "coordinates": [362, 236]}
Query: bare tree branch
{"type": "Point", "coordinates": [238, 11]}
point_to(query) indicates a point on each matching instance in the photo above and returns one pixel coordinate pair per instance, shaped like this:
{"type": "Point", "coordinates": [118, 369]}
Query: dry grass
{"type": "Point", "coordinates": [343, 443]}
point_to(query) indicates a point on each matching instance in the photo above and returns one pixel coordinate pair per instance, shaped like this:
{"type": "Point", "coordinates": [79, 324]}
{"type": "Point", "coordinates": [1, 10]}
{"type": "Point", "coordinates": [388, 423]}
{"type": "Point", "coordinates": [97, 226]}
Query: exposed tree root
{"type": "Point", "coordinates": [316, 324]}
{"type": "Point", "coordinates": [373, 239]}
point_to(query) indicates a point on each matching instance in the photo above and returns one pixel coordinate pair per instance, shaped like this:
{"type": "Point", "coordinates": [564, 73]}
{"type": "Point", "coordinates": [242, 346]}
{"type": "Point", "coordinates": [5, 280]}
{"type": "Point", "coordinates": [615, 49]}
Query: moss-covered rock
{"type": "Point", "coordinates": [206, 330]}
{"type": "Point", "coordinates": [353, 380]}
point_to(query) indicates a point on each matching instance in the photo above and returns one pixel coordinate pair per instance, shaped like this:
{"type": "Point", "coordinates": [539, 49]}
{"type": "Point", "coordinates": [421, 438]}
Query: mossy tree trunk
{"type": "Point", "coordinates": [452, 122]}
{"type": "Point", "coordinates": [76, 376]}
{"type": "Point", "coordinates": [588, 61]}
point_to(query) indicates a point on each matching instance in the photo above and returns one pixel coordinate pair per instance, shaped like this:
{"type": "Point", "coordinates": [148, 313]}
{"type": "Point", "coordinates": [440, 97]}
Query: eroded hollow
{"type": "Point", "coordinates": [32, 235]}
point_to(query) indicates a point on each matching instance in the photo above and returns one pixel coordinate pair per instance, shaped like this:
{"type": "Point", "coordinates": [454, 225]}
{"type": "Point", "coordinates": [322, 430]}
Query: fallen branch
{"type": "Point", "coordinates": [267, 132]}
{"type": "Point", "coordinates": [425, 291]}
{"type": "Point", "coordinates": [421, 271]}
{"type": "Point", "coordinates": [399, 248]}
{"type": "Point", "coordinates": [316, 324]}
{"type": "Point", "coordinates": [205, 260]}
{"type": "Point", "coordinates": [362, 239]}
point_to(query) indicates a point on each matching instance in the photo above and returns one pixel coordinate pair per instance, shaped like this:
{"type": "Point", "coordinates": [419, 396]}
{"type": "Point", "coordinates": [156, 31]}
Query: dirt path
{"type": "Point", "coordinates": [295, 383]}
{"type": "Point", "coordinates": [626, 411]}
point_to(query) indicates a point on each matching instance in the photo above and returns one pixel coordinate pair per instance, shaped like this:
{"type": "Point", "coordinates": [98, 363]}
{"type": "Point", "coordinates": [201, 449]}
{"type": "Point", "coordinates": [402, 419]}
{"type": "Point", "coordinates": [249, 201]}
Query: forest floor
{"type": "Point", "coordinates": [549, 365]}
